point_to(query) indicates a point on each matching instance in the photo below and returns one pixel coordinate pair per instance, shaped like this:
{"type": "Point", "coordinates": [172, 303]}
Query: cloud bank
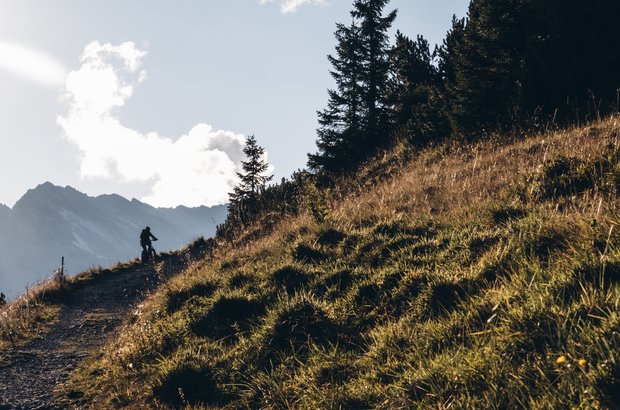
{"type": "Point", "coordinates": [198, 168]}
{"type": "Point", "coordinates": [291, 6]}
{"type": "Point", "coordinates": [31, 65]}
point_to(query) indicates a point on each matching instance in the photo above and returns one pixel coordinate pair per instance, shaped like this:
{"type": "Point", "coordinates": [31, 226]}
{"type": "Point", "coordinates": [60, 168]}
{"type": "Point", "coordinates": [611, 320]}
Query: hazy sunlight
{"type": "Point", "coordinates": [31, 65]}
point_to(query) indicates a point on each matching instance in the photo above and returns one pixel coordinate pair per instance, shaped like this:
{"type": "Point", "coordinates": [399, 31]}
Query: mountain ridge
{"type": "Point", "coordinates": [51, 221]}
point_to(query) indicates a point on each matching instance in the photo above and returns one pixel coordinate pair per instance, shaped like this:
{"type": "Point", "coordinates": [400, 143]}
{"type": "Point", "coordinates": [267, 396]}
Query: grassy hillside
{"type": "Point", "coordinates": [480, 276]}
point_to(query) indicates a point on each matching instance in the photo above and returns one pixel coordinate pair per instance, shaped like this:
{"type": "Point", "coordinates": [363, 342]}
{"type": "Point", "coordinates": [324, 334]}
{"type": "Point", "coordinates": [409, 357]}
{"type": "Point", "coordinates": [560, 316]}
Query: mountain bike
{"type": "Point", "coordinates": [149, 255]}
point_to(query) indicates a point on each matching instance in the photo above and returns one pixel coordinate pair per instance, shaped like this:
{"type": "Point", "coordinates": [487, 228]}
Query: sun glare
{"type": "Point", "coordinates": [31, 65]}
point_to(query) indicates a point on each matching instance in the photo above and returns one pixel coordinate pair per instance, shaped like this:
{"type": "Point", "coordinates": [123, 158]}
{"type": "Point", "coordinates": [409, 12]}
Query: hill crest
{"type": "Point", "coordinates": [482, 274]}
{"type": "Point", "coordinates": [478, 274]}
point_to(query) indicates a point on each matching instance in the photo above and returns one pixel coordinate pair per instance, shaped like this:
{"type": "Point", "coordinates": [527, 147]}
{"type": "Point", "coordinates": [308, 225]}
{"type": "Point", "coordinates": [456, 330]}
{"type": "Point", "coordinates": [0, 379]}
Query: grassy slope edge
{"type": "Point", "coordinates": [33, 313]}
{"type": "Point", "coordinates": [481, 276]}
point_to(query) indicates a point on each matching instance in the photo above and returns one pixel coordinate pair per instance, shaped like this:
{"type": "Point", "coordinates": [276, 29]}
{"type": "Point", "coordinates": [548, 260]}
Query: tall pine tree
{"type": "Point", "coordinates": [340, 124]}
{"type": "Point", "coordinates": [355, 122]}
{"type": "Point", "coordinates": [484, 66]}
{"type": "Point", "coordinates": [375, 68]}
{"type": "Point", "coordinates": [574, 54]}
{"type": "Point", "coordinates": [513, 61]}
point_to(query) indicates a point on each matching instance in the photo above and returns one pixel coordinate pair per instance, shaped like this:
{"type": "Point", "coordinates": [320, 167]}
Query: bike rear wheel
{"type": "Point", "coordinates": [145, 257]}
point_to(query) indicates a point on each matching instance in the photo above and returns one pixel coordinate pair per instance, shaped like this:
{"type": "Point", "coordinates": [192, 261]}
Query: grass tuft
{"type": "Point", "coordinates": [176, 300]}
{"type": "Point", "coordinates": [226, 317]}
{"type": "Point", "coordinates": [188, 382]}
{"type": "Point", "coordinates": [308, 254]}
{"type": "Point", "coordinates": [293, 327]}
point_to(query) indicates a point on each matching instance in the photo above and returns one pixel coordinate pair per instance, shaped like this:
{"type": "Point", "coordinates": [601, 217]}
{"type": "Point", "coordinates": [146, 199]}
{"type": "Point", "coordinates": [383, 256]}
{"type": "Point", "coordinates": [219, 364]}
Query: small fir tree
{"type": "Point", "coordinates": [252, 180]}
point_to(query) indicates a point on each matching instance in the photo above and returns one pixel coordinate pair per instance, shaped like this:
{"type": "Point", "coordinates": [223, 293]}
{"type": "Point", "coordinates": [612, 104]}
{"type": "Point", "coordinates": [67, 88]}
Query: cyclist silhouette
{"type": "Point", "coordinates": [145, 240]}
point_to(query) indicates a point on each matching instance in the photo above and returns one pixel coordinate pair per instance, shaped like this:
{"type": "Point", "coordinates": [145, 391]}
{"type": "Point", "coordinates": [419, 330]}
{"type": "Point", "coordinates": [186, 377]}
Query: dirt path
{"type": "Point", "coordinates": [89, 319]}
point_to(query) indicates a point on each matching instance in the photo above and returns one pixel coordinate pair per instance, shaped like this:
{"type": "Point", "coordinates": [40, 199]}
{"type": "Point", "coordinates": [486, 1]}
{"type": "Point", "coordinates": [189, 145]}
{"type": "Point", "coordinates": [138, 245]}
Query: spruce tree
{"type": "Point", "coordinates": [414, 92]}
{"type": "Point", "coordinates": [375, 68]}
{"type": "Point", "coordinates": [253, 178]}
{"type": "Point", "coordinates": [485, 65]}
{"type": "Point", "coordinates": [511, 62]}
{"type": "Point", "coordinates": [574, 54]}
{"type": "Point", "coordinates": [340, 124]}
{"type": "Point", "coordinates": [355, 122]}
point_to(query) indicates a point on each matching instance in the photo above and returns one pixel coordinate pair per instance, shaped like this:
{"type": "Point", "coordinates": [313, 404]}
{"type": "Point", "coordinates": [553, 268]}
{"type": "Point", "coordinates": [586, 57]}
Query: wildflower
{"type": "Point", "coordinates": [561, 360]}
{"type": "Point", "coordinates": [582, 362]}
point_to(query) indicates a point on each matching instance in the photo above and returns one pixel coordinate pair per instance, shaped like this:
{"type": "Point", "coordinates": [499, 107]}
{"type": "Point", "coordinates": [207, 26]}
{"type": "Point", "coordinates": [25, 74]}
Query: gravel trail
{"type": "Point", "coordinates": [91, 316]}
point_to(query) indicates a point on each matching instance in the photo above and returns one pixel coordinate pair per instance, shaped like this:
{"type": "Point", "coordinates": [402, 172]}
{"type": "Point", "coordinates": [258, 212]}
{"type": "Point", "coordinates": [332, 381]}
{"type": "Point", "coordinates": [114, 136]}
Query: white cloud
{"type": "Point", "coordinates": [198, 168]}
{"type": "Point", "coordinates": [31, 65]}
{"type": "Point", "coordinates": [291, 6]}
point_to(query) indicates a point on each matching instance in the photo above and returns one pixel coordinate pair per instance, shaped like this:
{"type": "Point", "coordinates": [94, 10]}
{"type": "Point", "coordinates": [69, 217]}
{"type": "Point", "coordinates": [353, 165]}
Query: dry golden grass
{"type": "Point", "coordinates": [29, 315]}
{"type": "Point", "coordinates": [456, 177]}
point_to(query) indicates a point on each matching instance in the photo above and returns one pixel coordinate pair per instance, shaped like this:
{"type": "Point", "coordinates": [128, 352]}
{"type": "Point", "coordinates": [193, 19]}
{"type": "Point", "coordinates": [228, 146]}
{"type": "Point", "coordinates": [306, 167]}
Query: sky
{"type": "Point", "coordinates": [152, 99]}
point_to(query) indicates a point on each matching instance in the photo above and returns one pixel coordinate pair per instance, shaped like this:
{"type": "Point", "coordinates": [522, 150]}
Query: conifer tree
{"type": "Point", "coordinates": [375, 68]}
{"type": "Point", "coordinates": [414, 92]}
{"type": "Point", "coordinates": [253, 178]}
{"type": "Point", "coordinates": [574, 54]}
{"type": "Point", "coordinates": [512, 61]}
{"type": "Point", "coordinates": [355, 122]}
{"type": "Point", "coordinates": [484, 66]}
{"type": "Point", "coordinates": [340, 124]}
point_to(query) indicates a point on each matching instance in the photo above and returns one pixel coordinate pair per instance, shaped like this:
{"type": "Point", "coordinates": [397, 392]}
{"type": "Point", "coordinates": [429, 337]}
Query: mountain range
{"type": "Point", "coordinates": [50, 222]}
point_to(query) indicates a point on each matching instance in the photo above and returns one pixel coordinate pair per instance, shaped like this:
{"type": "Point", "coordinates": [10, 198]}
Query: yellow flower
{"type": "Point", "coordinates": [561, 360]}
{"type": "Point", "coordinates": [582, 362]}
